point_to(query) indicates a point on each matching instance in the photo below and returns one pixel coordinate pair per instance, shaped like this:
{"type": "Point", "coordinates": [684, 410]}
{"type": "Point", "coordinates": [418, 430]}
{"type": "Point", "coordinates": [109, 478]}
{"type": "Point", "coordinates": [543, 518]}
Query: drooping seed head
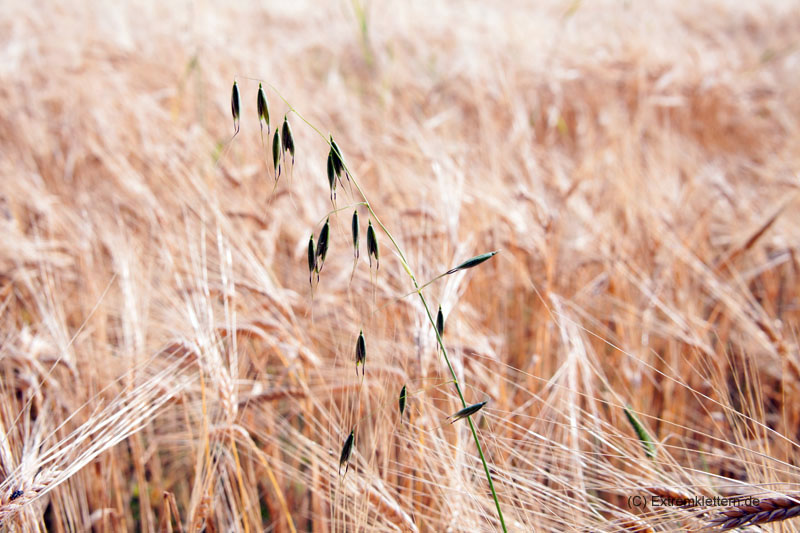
{"type": "Point", "coordinates": [354, 230]}
{"type": "Point", "coordinates": [372, 244]}
{"type": "Point", "coordinates": [361, 353]}
{"type": "Point", "coordinates": [288, 138]}
{"type": "Point", "coordinates": [322, 243]}
{"type": "Point", "coordinates": [347, 449]}
{"type": "Point", "coordinates": [263, 107]}
{"type": "Point", "coordinates": [236, 105]}
{"type": "Point", "coordinates": [440, 322]}
{"type": "Point", "coordinates": [276, 152]}
{"type": "Point", "coordinates": [331, 175]}
{"type": "Point", "coordinates": [336, 167]}
{"type": "Point", "coordinates": [312, 257]}
{"type": "Point", "coordinates": [402, 400]}
{"type": "Point", "coordinates": [467, 411]}
{"type": "Point", "coordinates": [475, 261]}
{"type": "Point", "coordinates": [338, 160]}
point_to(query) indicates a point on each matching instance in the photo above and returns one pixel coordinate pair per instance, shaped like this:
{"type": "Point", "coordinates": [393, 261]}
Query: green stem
{"type": "Point", "coordinates": [464, 404]}
{"type": "Point", "coordinates": [418, 290]}
{"type": "Point", "coordinates": [332, 211]}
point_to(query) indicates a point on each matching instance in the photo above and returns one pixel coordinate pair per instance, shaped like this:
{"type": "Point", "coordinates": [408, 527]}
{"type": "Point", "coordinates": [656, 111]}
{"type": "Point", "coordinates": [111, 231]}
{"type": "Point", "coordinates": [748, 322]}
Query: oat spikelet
{"type": "Point", "coordinates": [338, 160]}
{"type": "Point", "coordinates": [372, 246]}
{"type": "Point", "coordinates": [312, 260]}
{"type": "Point", "coordinates": [331, 175]}
{"type": "Point", "coordinates": [467, 411]}
{"type": "Point", "coordinates": [322, 245]}
{"type": "Point", "coordinates": [354, 230]}
{"type": "Point", "coordinates": [474, 261]}
{"type": "Point", "coordinates": [402, 400]}
{"type": "Point", "coordinates": [276, 153]}
{"type": "Point", "coordinates": [361, 353]}
{"type": "Point", "coordinates": [347, 449]}
{"type": "Point", "coordinates": [288, 138]}
{"type": "Point", "coordinates": [263, 109]}
{"type": "Point", "coordinates": [236, 107]}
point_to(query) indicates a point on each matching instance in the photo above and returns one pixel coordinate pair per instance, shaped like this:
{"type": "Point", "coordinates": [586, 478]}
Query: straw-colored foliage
{"type": "Point", "coordinates": [165, 365]}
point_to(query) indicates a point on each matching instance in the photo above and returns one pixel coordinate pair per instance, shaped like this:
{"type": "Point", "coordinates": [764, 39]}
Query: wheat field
{"type": "Point", "coordinates": [165, 364]}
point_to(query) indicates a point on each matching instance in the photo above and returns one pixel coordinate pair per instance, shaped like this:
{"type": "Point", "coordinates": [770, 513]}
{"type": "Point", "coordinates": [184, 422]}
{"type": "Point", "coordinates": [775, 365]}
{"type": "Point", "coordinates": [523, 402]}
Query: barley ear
{"type": "Point", "coordinates": [765, 511]}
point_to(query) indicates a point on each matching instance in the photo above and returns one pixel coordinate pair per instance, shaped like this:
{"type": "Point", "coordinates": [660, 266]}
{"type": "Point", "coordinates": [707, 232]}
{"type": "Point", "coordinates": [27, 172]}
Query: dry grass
{"type": "Point", "coordinates": [163, 364]}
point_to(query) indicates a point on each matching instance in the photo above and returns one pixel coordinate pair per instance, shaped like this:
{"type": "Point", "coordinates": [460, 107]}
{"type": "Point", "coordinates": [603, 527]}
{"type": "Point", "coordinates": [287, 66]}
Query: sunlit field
{"type": "Point", "coordinates": [173, 357]}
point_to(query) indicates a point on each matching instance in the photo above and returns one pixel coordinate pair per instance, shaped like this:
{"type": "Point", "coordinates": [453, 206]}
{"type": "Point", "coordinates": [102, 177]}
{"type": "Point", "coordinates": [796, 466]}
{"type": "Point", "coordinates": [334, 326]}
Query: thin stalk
{"type": "Point", "coordinates": [332, 211]}
{"type": "Point", "coordinates": [418, 290]}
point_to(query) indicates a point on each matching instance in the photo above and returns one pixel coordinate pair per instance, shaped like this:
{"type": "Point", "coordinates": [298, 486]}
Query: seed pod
{"type": "Point", "coordinates": [372, 245]}
{"type": "Point", "coordinates": [331, 176]}
{"type": "Point", "coordinates": [467, 411]}
{"type": "Point", "coordinates": [361, 353]}
{"type": "Point", "coordinates": [347, 449]}
{"type": "Point", "coordinates": [402, 400]}
{"type": "Point", "coordinates": [276, 152]}
{"type": "Point", "coordinates": [440, 322]}
{"type": "Point", "coordinates": [263, 108]}
{"type": "Point", "coordinates": [236, 105]}
{"type": "Point", "coordinates": [322, 244]}
{"type": "Point", "coordinates": [338, 160]}
{"type": "Point", "coordinates": [312, 258]}
{"type": "Point", "coordinates": [469, 263]}
{"type": "Point", "coordinates": [354, 228]}
{"type": "Point", "coordinates": [16, 494]}
{"type": "Point", "coordinates": [288, 138]}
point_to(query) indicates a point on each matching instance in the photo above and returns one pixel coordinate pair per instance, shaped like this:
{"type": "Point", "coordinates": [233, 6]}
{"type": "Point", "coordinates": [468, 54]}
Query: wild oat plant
{"type": "Point", "coordinates": [336, 168]}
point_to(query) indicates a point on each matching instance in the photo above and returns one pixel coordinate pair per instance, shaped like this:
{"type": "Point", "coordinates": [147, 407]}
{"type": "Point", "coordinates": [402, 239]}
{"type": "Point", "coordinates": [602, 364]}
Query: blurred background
{"type": "Point", "coordinates": [165, 364]}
